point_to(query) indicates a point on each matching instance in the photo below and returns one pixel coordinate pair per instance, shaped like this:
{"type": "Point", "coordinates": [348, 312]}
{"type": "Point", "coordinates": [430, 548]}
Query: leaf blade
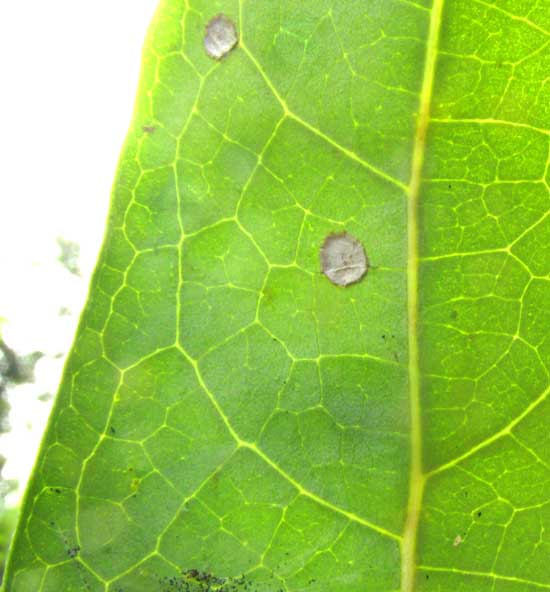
{"type": "Point", "coordinates": [262, 412]}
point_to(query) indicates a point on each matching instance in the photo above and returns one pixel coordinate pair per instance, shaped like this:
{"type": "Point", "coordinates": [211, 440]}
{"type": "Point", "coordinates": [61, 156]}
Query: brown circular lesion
{"type": "Point", "coordinates": [343, 259]}
{"type": "Point", "coordinates": [220, 36]}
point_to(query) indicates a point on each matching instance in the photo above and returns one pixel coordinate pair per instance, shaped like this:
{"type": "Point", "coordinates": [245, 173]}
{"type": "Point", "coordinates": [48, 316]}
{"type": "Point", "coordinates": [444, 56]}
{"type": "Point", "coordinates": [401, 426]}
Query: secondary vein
{"type": "Point", "coordinates": [417, 477]}
{"type": "Point", "coordinates": [293, 116]}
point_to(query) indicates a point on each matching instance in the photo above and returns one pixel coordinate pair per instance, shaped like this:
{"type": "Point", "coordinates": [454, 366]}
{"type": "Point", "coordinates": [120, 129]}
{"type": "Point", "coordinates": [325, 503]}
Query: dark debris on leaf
{"type": "Point", "coordinates": [195, 580]}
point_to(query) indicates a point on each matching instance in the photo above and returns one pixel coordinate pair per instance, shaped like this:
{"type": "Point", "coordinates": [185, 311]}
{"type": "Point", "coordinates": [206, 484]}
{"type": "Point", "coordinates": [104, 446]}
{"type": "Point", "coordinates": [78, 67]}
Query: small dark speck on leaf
{"type": "Point", "coordinates": [148, 129]}
{"type": "Point", "coordinates": [479, 514]}
{"type": "Point", "coordinates": [194, 579]}
{"type": "Point", "coordinates": [343, 259]}
{"type": "Point", "coordinates": [220, 37]}
{"type": "Point", "coordinates": [73, 552]}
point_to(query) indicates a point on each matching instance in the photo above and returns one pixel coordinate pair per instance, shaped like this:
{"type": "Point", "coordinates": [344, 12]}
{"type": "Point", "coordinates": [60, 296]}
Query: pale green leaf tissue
{"type": "Point", "coordinates": [230, 419]}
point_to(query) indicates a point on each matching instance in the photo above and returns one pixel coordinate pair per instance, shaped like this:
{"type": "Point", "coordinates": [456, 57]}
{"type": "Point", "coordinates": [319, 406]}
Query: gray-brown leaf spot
{"type": "Point", "coordinates": [220, 37]}
{"type": "Point", "coordinates": [343, 259]}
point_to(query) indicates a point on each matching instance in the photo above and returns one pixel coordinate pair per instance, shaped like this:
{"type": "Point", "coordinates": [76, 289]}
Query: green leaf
{"type": "Point", "coordinates": [229, 419]}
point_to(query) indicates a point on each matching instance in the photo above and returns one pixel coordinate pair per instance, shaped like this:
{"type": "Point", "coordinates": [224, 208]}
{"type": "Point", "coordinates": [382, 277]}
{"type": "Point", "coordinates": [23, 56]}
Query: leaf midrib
{"type": "Point", "coordinates": [417, 477]}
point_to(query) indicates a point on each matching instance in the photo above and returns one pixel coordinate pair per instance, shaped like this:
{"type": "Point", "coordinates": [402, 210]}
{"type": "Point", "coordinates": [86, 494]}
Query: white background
{"type": "Point", "coordinates": [68, 76]}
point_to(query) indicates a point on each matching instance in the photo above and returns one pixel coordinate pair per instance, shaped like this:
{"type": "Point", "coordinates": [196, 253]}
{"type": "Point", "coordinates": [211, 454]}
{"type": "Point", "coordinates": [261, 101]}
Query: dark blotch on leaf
{"type": "Point", "coordinates": [220, 37]}
{"type": "Point", "coordinates": [343, 259]}
{"type": "Point", "coordinates": [73, 552]}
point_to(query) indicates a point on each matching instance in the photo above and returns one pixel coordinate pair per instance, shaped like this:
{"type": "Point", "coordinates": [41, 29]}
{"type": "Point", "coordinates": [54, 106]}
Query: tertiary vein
{"type": "Point", "coordinates": [481, 574]}
{"type": "Point", "coordinates": [291, 115]}
{"type": "Point", "coordinates": [252, 446]}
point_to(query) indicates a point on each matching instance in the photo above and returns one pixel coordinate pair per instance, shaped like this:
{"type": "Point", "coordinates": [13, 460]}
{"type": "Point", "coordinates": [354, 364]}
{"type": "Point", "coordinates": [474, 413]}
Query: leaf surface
{"type": "Point", "coordinates": [231, 420]}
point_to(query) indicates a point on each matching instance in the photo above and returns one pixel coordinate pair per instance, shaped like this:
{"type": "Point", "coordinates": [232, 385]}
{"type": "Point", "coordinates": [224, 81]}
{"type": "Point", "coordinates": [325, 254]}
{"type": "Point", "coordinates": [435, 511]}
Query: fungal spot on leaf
{"type": "Point", "coordinates": [221, 37]}
{"type": "Point", "coordinates": [458, 540]}
{"type": "Point", "coordinates": [343, 259]}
